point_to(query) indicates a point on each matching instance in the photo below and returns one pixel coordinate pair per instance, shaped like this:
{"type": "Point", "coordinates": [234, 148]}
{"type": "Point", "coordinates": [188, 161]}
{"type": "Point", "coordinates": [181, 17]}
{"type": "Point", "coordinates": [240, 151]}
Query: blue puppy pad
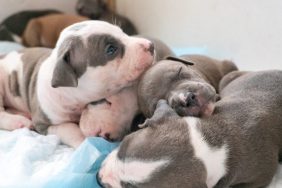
{"type": "Point", "coordinates": [80, 171]}
{"type": "Point", "coordinates": [84, 165]}
{"type": "Point", "coordinates": [6, 47]}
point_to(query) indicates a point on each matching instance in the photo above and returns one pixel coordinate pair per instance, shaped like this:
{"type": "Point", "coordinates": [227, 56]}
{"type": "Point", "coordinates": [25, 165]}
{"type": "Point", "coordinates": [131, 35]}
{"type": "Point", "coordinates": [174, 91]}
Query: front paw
{"type": "Point", "coordinates": [11, 121]}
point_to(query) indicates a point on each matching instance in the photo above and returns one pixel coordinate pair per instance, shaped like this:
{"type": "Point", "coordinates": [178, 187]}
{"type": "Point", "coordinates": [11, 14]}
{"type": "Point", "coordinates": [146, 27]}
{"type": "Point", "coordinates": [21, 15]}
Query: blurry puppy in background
{"type": "Point", "coordinates": [12, 28]}
{"type": "Point", "coordinates": [45, 31]}
{"type": "Point", "coordinates": [99, 10]}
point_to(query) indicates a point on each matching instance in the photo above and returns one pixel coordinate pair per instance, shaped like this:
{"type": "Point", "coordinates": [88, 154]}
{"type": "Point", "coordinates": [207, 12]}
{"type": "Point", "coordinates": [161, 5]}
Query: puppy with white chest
{"type": "Point", "coordinates": [238, 146]}
{"type": "Point", "coordinates": [91, 61]}
{"type": "Point", "coordinates": [114, 115]}
{"type": "Point", "coordinates": [189, 89]}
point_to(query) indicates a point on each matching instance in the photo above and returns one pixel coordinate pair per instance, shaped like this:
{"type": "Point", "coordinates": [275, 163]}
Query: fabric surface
{"type": "Point", "coordinates": [32, 160]}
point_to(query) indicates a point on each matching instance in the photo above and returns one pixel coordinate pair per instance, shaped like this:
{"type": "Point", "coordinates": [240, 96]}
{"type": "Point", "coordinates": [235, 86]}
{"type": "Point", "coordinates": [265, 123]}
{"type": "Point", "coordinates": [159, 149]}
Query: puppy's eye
{"type": "Point", "coordinates": [111, 49]}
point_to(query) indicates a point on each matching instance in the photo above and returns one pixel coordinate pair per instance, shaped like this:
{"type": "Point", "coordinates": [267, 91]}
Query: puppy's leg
{"type": "Point", "coordinates": [10, 121]}
{"type": "Point", "coordinates": [69, 133]}
{"type": "Point", "coordinates": [13, 121]}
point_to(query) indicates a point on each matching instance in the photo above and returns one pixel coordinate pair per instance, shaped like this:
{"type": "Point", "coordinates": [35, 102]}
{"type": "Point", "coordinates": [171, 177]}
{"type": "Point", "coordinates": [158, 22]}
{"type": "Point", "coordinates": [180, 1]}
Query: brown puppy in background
{"type": "Point", "coordinates": [44, 31]}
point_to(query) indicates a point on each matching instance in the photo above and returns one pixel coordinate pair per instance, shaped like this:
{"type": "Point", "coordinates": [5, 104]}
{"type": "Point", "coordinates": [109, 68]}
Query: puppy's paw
{"type": "Point", "coordinates": [12, 121]}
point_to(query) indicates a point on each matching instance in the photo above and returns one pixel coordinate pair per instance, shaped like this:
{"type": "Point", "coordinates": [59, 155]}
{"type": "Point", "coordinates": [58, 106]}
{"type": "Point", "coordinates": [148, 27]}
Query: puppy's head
{"type": "Point", "coordinates": [94, 54]}
{"type": "Point", "coordinates": [183, 87]}
{"type": "Point", "coordinates": [159, 155]}
{"type": "Point", "coordinates": [91, 8]}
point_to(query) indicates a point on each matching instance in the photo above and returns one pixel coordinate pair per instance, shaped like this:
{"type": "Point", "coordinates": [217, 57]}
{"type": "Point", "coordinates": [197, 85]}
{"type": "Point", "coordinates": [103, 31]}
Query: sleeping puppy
{"type": "Point", "coordinates": [98, 10]}
{"type": "Point", "coordinates": [238, 146]}
{"type": "Point", "coordinates": [190, 90]}
{"type": "Point", "coordinates": [92, 60]}
{"type": "Point", "coordinates": [113, 116]}
{"type": "Point", "coordinates": [12, 28]}
{"type": "Point", "coordinates": [44, 31]}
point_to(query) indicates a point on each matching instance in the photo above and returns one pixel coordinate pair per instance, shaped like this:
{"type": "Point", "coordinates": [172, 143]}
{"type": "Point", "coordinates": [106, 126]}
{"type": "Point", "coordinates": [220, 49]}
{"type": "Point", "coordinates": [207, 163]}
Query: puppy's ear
{"type": "Point", "coordinates": [32, 32]}
{"type": "Point", "coordinates": [71, 63]}
{"type": "Point", "coordinates": [163, 111]}
{"type": "Point", "coordinates": [179, 60]}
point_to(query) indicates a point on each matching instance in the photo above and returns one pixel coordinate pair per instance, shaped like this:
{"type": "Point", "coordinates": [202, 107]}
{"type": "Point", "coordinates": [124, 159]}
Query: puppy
{"type": "Point", "coordinates": [44, 31]}
{"type": "Point", "coordinates": [12, 28]}
{"type": "Point", "coordinates": [238, 146]}
{"type": "Point", "coordinates": [190, 90]}
{"type": "Point", "coordinates": [92, 60]}
{"type": "Point", "coordinates": [113, 116]}
{"type": "Point", "coordinates": [98, 10]}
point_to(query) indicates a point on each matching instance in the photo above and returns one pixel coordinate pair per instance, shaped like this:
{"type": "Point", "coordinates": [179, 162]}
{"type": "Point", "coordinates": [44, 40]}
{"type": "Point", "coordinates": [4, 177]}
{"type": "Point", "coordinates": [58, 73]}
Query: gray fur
{"type": "Point", "coordinates": [247, 119]}
{"type": "Point", "coordinates": [167, 77]}
{"type": "Point", "coordinates": [32, 59]}
{"type": "Point", "coordinates": [74, 57]}
{"type": "Point", "coordinates": [13, 84]}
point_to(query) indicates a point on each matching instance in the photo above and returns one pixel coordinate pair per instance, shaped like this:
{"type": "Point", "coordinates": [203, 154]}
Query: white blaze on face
{"type": "Point", "coordinates": [214, 159]}
{"type": "Point", "coordinates": [114, 170]}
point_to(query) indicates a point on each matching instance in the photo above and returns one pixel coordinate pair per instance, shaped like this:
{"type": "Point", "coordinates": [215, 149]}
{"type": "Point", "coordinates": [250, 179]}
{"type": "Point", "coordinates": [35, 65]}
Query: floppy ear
{"type": "Point", "coordinates": [31, 35]}
{"type": "Point", "coordinates": [163, 110]}
{"type": "Point", "coordinates": [179, 60]}
{"type": "Point", "coordinates": [71, 63]}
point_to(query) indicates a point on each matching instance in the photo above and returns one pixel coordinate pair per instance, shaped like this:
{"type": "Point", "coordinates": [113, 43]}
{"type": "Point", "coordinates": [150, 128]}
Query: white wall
{"type": "Point", "coordinates": [247, 31]}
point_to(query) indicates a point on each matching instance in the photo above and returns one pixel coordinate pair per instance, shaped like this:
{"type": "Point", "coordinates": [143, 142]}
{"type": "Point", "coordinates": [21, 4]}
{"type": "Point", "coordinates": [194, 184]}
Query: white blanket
{"type": "Point", "coordinates": [27, 156]}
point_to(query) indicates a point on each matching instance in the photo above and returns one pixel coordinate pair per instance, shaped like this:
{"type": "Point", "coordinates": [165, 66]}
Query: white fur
{"type": "Point", "coordinates": [11, 62]}
{"type": "Point", "coordinates": [114, 171]}
{"type": "Point", "coordinates": [66, 104]}
{"type": "Point", "coordinates": [213, 158]}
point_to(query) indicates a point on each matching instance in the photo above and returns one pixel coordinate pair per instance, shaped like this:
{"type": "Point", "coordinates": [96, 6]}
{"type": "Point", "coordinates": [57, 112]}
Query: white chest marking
{"type": "Point", "coordinates": [213, 158]}
{"type": "Point", "coordinates": [114, 171]}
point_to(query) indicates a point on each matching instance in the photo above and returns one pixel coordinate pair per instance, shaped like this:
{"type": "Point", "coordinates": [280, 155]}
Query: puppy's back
{"type": "Point", "coordinates": [211, 69]}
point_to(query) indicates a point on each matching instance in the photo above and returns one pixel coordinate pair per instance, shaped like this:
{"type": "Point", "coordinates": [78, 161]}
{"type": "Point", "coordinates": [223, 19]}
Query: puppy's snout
{"type": "Point", "coordinates": [151, 48]}
{"type": "Point", "coordinates": [148, 47]}
{"type": "Point", "coordinates": [98, 179]}
{"type": "Point", "coordinates": [190, 99]}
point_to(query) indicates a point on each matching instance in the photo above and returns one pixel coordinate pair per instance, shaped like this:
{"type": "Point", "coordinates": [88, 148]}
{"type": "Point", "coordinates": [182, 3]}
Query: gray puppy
{"type": "Point", "coordinates": [190, 90]}
{"type": "Point", "coordinates": [238, 146]}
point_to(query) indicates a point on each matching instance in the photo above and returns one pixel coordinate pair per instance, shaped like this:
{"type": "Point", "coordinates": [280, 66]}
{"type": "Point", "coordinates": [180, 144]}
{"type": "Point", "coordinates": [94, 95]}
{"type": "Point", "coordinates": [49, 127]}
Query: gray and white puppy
{"type": "Point", "coordinates": [115, 114]}
{"type": "Point", "coordinates": [238, 146]}
{"type": "Point", "coordinates": [92, 60]}
{"type": "Point", "coordinates": [190, 90]}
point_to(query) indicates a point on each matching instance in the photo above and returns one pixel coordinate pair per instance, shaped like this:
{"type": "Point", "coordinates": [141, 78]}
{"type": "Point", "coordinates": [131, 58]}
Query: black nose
{"type": "Point", "coordinates": [151, 49]}
{"type": "Point", "coordinates": [190, 99]}
{"type": "Point", "coordinates": [98, 179]}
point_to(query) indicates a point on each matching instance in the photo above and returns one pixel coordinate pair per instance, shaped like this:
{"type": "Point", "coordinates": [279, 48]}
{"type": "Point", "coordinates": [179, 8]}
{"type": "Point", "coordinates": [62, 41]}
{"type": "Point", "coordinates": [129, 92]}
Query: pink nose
{"type": "Point", "coordinates": [148, 47]}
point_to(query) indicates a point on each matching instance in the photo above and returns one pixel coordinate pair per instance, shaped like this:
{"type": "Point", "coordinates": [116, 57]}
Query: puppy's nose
{"type": "Point", "coordinates": [151, 48]}
{"type": "Point", "coordinates": [148, 47]}
{"type": "Point", "coordinates": [98, 179]}
{"type": "Point", "coordinates": [190, 99]}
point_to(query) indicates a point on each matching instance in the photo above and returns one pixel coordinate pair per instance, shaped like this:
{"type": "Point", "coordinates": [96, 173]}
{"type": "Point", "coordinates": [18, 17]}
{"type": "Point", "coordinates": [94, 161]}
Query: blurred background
{"type": "Point", "coordinates": [248, 32]}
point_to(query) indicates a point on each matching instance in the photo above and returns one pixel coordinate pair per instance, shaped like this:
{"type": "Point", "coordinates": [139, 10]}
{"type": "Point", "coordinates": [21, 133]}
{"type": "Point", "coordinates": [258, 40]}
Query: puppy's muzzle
{"type": "Point", "coordinates": [189, 99]}
{"type": "Point", "coordinates": [151, 48]}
